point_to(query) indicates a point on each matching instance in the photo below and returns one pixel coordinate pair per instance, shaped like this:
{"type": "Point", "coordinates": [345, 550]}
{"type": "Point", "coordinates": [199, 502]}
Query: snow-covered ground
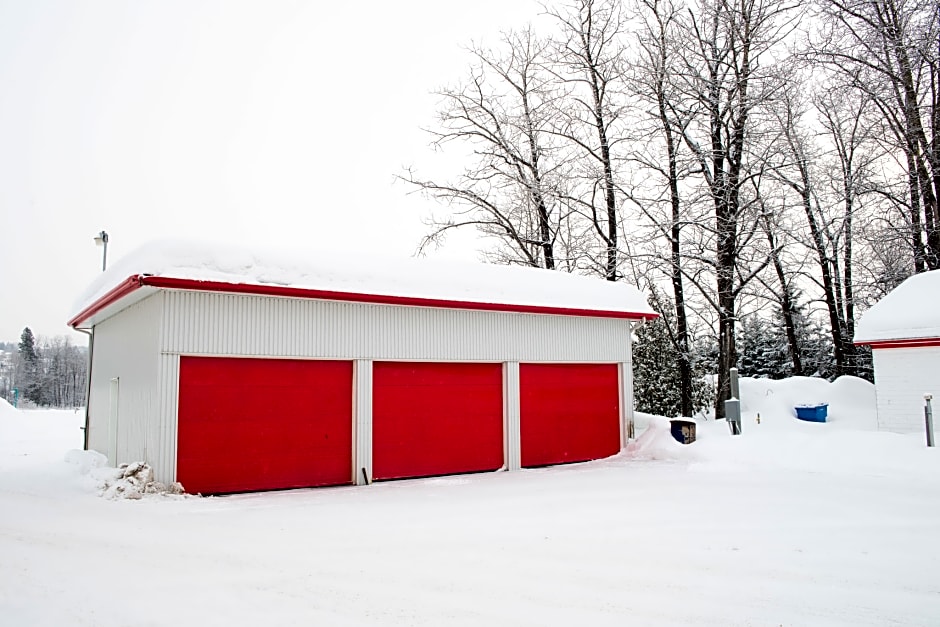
{"type": "Point", "coordinates": [791, 523]}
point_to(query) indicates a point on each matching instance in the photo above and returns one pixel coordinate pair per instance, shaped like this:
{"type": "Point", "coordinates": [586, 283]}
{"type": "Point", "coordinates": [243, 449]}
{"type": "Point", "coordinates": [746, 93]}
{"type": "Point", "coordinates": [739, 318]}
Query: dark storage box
{"type": "Point", "coordinates": [683, 430]}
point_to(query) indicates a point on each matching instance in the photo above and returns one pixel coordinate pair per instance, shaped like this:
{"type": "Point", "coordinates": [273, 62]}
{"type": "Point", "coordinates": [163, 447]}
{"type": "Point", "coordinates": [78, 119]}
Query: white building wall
{"type": "Point", "coordinates": [126, 348]}
{"type": "Point", "coordinates": [142, 345]}
{"type": "Point", "coordinates": [203, 323]}
{"type": "Point", "coordinates": [164, 463]}
{"type": "Point", "coordinates": [902, 377]}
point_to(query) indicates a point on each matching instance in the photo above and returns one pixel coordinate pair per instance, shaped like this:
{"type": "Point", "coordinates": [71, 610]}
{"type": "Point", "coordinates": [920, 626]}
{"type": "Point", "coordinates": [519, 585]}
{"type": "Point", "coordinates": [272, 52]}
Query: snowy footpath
{"type": "Point", "coordinates": [790, 524]}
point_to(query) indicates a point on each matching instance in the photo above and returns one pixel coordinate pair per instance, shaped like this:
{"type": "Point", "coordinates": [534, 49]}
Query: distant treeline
{"type": "Point", "coordinates": [46, 372]}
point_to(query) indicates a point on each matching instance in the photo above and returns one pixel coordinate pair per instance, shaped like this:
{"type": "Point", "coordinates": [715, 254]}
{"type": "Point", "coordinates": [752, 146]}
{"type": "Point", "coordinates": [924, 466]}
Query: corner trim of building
{"type": "Point", "coordinates": [362, 425]}
{"type": "Point", "coordinates": [512, 436]}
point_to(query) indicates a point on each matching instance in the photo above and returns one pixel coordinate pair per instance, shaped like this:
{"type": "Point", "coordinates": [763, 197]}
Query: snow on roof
{"type": "Point", "coordinates": [910, 311]}
{"type": "Point", "coordinates": [355, 273]}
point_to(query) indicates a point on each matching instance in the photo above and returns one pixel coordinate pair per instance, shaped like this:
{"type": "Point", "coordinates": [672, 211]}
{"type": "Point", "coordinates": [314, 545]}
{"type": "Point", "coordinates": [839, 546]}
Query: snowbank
{"type": "Point", "coordinates": [655, 441]}
{"type": "Point", "coordinates": [771, 430]}
{"type": "Point", "coordinates": [6, 410]}
{"type": "Point", "coordinates": [42, 444]}
{"type": "Point", "coordinates": [910, 311]}
{"type": "Point", "coordinates": [773, 438]}
{"type": "Point", "coordinates": [131, 481]}
{"type": "Point", "coordinates": [851, 402]}
{"type": "Point", "coordinates": [365, 274]}
{"type": "Point", "coordinates": [791, 523]}
{"type": "Point", "coordinates": [127, 481]}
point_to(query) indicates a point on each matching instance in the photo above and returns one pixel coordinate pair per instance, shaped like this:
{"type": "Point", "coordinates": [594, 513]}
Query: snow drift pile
{"type": "Point", "coordinates": [133, 481]}
{"type": "Point", "coordinates": [127, 481]}
{"type": "Point", "coordinates": [768, 412]}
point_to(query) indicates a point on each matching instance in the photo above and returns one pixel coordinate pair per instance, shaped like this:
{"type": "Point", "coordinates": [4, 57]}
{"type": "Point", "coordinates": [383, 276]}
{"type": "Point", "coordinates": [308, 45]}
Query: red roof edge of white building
{"type": "Point", "coordinates": [134, 283]}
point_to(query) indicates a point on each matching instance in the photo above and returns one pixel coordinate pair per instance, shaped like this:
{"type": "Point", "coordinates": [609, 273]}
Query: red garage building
{"type": "Point", "coordinates": [230, 371]}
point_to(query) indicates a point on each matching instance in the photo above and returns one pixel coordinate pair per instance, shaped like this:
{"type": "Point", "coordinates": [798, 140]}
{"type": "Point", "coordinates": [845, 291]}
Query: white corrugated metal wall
{"type": "Point", "coordinates": [902, 377]}
{"type": "Point", "coordinates": [174, 323]}
{"type": "Point", "coordinates": [127, 349]}
{"type": "Point", "coordinates": [204, 323]}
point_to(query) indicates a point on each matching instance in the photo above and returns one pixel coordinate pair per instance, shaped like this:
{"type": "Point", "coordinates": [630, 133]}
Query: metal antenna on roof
{"type": "Point", "coordinates": [102, 240]}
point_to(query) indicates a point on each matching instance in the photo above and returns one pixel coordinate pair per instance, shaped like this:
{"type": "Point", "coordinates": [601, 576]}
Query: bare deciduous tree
{"type": "Point", "coordinates": [588, 59]}
{"type": "Point", "coordinates": [657, 144]}
{"type": "Point", "coordinates": [889, 50]}
{"type": "Point", "coordinates": [730, 73]}
{"type": "Point", "coordinates": [512, 189]}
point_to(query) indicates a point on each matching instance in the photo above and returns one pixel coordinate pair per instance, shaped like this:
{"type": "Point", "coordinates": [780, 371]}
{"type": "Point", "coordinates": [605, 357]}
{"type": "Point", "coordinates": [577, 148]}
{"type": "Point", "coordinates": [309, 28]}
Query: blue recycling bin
{"type": "Point", "coordinates": [812, 413]}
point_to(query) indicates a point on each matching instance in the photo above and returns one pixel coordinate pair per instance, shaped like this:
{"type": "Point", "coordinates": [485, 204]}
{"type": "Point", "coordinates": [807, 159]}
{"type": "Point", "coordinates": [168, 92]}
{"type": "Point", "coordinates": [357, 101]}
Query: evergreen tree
{"type": "Point", "coordinates": [656, 373]}
{"type": "Point", "coordinates": [27, 376]}
{"type": "Point", "coordinates": [863, 364]}
{"type": "Point", "coordinates": [816, 345]}
{"type": "Point", "coordinates": [50, 372]}
{"type": "Point", "coordinates": [27, 346]}
{"type": "Point", "coordinates": [763, 350]}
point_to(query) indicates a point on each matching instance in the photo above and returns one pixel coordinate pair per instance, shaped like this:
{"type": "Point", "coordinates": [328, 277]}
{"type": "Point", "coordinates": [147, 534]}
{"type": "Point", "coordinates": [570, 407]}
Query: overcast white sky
{"type": "Point", "coordinates": [271, 122]}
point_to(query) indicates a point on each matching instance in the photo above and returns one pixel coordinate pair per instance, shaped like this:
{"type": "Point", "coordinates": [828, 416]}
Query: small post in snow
{"type": "Point", "coordinates": [928, 418]}
{"type": "Point", "coordinates": [733, 405]}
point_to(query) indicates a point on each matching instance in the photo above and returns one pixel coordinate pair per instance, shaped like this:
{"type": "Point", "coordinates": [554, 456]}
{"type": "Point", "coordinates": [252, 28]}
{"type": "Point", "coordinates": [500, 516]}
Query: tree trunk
{"type": "Point", "coordinates": [787, 306]}
{"type": "Point", "coordinates": [682, 325]}
{"type": "Point", "coordinates": [917, 243]}
{"type": "Point", "coordinates": [851, 350]}
{"type": "Point", "coordinates": [825, 265]}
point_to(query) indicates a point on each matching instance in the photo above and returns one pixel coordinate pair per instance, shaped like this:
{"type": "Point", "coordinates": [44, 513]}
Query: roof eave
{"type": "Point", "coordinates": [913, 342]}
{"type": "Point", "coordinates": [135, 282]}
{"type": "Point", "coordinates": [118, 292]}
{"type": "Point", "coordinates": [380, 299]}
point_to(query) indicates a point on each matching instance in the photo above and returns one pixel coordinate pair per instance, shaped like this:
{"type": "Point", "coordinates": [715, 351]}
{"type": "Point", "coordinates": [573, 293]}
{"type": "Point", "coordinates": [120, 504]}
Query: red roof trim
{"type": "Point", "coordinates": [909, 343]}
{"type": "Point", "coordinates": [134, 282]}
{"type": "Point", "coordinates": [117, 293]}
{"type": "Point", "coordinates": [379, 299]}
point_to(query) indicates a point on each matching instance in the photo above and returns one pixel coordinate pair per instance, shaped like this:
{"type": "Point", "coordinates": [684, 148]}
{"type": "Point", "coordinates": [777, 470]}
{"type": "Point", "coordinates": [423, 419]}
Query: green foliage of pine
{"type": "Point", "coordinates": [656, 373]}
{"type": "Point", "coordinates": [47, 372]}
{"type": "Point", "coordinates": [763, 351]}
{"type": "Point", "coordinates": [27, 346]}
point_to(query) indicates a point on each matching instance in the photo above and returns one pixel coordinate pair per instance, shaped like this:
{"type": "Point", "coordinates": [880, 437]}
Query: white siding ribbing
{"type": "Point", "coordinates": [127, 349]}
{"type": "Point", "coordinates": [362, 412]}
{"type": "Point", "coordinates": [165, 462]}
{"type": "Point", "coordinates": [625, 372]}
{"type": "Point", "coordinates": [626, 404]}
{"type": "Point", "coordinates": [902, 377]}
{"type": "Point", "coordinates": [512, 447]}
{"type": "Point", "coordinates": [206, 323]}
{"type": "Point", "coordinates": [142, 344]}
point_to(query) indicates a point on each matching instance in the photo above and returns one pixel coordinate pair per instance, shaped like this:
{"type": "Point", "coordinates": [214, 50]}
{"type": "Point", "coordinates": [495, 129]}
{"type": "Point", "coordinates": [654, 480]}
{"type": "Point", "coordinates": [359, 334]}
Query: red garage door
{"type": "Point", "coordinates": [568, 412]}
{"type": "Point", "coordinates": [263, 424]}
{"type": "Point", "coordinates": [436, 419]}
